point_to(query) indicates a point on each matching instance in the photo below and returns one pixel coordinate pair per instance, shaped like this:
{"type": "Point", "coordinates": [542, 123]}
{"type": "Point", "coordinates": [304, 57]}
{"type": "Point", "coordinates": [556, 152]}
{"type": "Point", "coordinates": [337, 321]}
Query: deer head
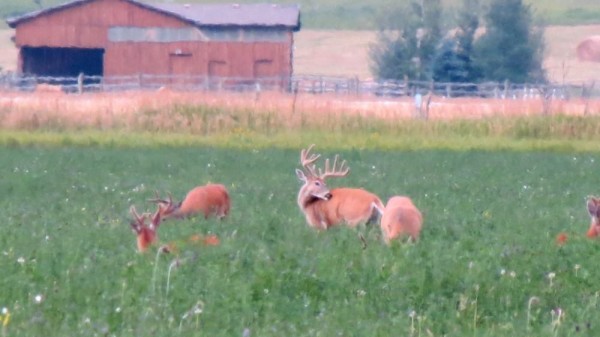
{"type": "Point", "coordinates": [146, 234]}
{"type": "Point", "coordinates": [314, 183]}
{"type": "Point", "coordinates": [593, 207]}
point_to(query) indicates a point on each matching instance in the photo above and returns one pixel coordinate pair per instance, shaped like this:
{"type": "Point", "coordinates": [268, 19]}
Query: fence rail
{"type": "Point", "coordinates": [314, 84]}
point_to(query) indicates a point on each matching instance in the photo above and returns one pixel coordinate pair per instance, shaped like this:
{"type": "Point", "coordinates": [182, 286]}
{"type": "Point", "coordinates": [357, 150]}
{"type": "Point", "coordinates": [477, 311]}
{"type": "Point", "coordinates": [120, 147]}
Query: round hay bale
{"type": "Point", "coordinates": [589, 49]}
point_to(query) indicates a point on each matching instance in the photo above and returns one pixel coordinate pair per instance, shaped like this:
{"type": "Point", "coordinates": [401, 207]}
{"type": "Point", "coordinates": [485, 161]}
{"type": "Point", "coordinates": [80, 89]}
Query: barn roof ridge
{"type": "Point", "coordinates": [232, 14]}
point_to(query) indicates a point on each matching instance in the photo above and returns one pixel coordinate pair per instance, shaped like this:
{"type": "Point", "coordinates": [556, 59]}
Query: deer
{"type": "Point", "coordinates": [593, 207]}
{"type": "Point", "coordinates": [400, 218]}
{"type": "Point", "coordinates": [146, 234]}
{"type": "Point", "coordinates": [324, 208]}
{"type": "Point", "coordinates": [209, 200]}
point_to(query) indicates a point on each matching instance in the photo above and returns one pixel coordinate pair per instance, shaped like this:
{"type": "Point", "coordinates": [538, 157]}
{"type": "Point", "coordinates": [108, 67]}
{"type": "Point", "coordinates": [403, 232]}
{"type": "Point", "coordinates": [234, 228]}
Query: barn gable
{"type": "Point", "coordinates": [121, 37]}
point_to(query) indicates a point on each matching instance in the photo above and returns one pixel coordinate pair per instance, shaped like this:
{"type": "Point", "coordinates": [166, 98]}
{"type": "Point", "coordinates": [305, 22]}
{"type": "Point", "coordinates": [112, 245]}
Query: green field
{"type": "Point", "coordinates": [351, 14]}
{"type": "Point", "coordinates": [481, 268]}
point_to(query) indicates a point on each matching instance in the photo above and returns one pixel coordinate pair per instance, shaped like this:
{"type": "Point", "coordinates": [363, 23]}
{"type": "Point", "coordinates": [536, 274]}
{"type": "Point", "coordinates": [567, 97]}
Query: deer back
{"type": "Point", "coordinates": [211, 199]}
{"type": "Point", "coordinates": [351, 206]}
{"type": "Point", "coordinates": [400, 218]}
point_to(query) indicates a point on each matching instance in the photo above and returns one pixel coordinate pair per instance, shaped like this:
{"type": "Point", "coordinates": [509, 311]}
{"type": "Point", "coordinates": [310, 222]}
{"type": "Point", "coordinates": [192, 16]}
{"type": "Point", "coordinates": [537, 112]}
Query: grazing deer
{"type": "Point", "coordinates": [210, 199]}
{"type": "Point", "coordinates": [400, 218]}
{"type": "Point", "coordinates": [146, 234]}
{"type": "Point", "coordinates": [325, 208]}
{"type": "Point", "coordinates": [593, 206]}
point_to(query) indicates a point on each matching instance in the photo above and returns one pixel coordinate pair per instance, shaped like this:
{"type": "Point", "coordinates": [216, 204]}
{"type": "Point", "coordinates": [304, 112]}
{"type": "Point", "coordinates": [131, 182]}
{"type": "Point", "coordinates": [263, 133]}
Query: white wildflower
{"type": "Point", "coordinates": [38, 298]}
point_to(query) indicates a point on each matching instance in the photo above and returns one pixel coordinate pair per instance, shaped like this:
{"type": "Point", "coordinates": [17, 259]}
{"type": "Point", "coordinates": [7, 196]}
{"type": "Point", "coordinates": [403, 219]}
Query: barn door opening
{"type": "Point", "coordinates": [180, 65]}
{"type": "Point", "coordinates": [62, 62]}
{"type": "Point", "coordinates": [264, 74]}
{"type": "Point", "coordinates": [217, 71]}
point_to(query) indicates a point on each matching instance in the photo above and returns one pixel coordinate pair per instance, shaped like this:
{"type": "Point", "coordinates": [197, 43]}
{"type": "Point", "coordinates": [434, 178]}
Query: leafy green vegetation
{"type": "Point", "coordinates": [487, 263]}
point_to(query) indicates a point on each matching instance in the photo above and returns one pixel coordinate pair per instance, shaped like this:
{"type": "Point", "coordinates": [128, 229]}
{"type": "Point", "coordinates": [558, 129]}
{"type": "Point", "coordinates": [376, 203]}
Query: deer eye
{"type": "Point", "coordinates": [318, 183]}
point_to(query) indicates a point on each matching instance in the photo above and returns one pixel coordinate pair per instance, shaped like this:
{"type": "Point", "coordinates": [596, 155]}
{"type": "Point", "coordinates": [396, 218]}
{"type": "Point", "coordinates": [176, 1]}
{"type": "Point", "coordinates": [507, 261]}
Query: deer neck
{"type": "Point", "coordinates": [305, 199]}
{"type": "Point", "coordinates": [309, 205]}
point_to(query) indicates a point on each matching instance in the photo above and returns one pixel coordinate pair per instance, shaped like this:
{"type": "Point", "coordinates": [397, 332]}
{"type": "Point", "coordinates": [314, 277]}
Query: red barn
{"type": "Point", "coordinates": [127, 37]}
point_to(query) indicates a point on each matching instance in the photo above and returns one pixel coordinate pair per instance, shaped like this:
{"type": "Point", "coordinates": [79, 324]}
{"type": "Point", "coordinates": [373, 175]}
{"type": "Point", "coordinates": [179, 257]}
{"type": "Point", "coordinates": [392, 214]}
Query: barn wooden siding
{"type": "Point", "coordinates": [137, 39]}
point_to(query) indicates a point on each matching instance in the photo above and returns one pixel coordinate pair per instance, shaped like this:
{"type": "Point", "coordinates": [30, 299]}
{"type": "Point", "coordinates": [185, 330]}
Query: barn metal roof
{"type": "Point", "coordinates": [262, 15]}
{"type": "Point", "coordinates": [235, 14]}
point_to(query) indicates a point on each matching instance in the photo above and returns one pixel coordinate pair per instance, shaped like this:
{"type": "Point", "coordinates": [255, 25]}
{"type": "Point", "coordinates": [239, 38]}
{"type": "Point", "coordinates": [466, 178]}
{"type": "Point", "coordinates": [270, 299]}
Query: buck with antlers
{"type": "Point", "coordinates": [325, 208]}
{"type": "Point", "coordinates": [146, 234]}
{"type": "Point", "coordinates": [401, 218]}
{"type": "Point", "coordinates": [209, 200]}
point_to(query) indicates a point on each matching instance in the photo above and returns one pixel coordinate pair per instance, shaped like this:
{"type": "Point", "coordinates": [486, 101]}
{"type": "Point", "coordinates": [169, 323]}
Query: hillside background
{"type": "Point", "coordinates": [336, 34]}
{"type": "Point", "coordinates": [353, 14]}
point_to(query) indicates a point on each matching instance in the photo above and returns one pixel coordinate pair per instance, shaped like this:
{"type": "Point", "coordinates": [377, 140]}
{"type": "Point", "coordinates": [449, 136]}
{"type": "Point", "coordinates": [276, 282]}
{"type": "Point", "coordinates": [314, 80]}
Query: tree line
{"type": "Point", "coordinates": [497, 42]}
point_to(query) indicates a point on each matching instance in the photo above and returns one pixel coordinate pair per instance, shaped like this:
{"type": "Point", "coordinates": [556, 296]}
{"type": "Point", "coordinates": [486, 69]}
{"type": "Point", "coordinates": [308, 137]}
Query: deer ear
{"type": "Point", "coordinates": [592, 206]}
{"type": "Point", "coordinates": [300, 174]}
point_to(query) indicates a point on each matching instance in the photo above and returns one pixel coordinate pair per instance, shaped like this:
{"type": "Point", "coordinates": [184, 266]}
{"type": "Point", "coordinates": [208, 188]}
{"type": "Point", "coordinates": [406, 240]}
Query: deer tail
{"type": "Point", "coordinates": [378, 205]}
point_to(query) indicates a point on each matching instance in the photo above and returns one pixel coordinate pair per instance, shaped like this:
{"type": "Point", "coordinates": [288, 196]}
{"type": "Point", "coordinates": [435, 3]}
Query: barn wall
{"type": "Point", "coordinates": [193, 58]}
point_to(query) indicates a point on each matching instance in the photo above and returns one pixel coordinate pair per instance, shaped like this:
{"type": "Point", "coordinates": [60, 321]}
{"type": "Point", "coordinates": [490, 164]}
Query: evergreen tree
{"type": "Point", "coordinates": [453, 61]}
{"type": "Point", "coordinates": [407, 42]}
{"type": "Point", "coordinates": [511, 48]}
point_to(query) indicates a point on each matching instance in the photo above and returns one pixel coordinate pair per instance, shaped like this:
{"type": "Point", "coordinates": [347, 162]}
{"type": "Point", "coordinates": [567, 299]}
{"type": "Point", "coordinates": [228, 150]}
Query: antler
{"type": "Point", "coordinates": [306, 160]}
{"type": "Point", "coordinates": [138, 220]}
{"type": "Point", "coordinates": [165, 207]}
{"type": "Point", "coordinates": [341, 171]}
{"type": "Point", "coordinates": [159, 200]}
{"type": "Point", "coordinates": [156, 217]}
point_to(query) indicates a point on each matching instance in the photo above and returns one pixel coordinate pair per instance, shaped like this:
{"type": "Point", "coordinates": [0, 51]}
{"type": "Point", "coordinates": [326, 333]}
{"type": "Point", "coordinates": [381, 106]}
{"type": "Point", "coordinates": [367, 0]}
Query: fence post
{"type": "Point", "coordinates": [295, 93]}
{"type": "Point", "coordinates": [257, 90]}
{"type": "Point", "coordinates": [321, 85]}
{"type": "Point", "coordinates": [418, 104]}
{"type": "Point", "coordinates": [80, 83]}
{"type": "Point", "coordinates": [586, 93]}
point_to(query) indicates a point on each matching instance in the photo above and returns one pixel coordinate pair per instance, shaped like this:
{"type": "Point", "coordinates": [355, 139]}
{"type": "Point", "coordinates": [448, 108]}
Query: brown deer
{"type": "Point", "coordinates": [209, 200]}
{"type": "Point", "coordinates": [146, 234]}
{"type": "Point", "coordinates": [325, 208]}
{"type": "Point", "coordinates": [401, 218]}
{"type": "Point", "coordinates": [593, 206]}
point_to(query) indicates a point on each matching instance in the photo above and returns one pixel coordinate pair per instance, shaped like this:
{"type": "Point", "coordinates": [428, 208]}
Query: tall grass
{"type": "Point", "coordinates": [280, 120]}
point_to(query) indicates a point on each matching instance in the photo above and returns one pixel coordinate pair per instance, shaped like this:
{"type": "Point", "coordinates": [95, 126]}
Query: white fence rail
{"type": "Point", "coordinates": [315, 84]}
